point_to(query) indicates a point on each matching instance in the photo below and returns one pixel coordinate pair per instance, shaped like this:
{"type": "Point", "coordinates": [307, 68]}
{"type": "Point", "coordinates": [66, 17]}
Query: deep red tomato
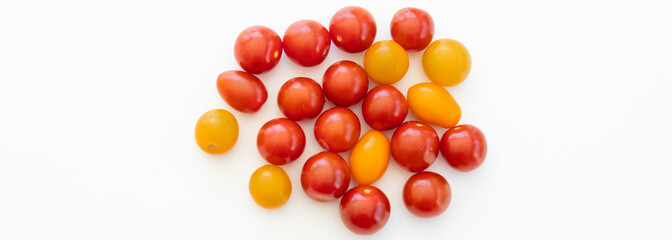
{"type": "Point", "coordinates": [414, 146]}
{"type": "Point", "coordinates": [345, 83]}
{"type": "Point", "coordinates": [464, 147]}
{"type": "Point", "coordinates": [280, 141]}
{"type": "Point", "coordinates": [365, 210]}
{"type": "Point", "coordinates": [306, 42]}
{"type": "Point", "coordinates": [412, 28]}
{"type": "Point", "coordinates": [337, 129]}
{"type": "Point", "coordinates": [384, 108]}
{"type": "Point", "coordinates": [243, 91]}
{"type": "Point", "coordinates": [352, 29]}
{"type": "Point", "coordinates": [301, 98]}
{"type": "Point", "coordinates": [325, 177]}
{"type": "Point", "coordinates": [258, 49]}
{"type": "Point", "coordinates": [427, 194]}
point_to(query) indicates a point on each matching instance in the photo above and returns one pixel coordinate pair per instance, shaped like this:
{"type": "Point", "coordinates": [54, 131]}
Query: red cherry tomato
{"type": "Point", "coordinates": [258, 49]}
{"type": "Point", "coordinates": [301, 98]}
{"type": "Point", "coordinates": [280, 141]}
{"type": "Point", "coordinates": [325, 177]}
{"type": "Point", "coordinates": [337, 129]}
{"type": "Point", "coordinates": [345, 83]}
{"type": "Point", "coordinates": [427, 194]}
{"type": "Point", "coordinates": [306, 42]}
{"type": "Point", "coordinates": [352, 29]}
{"type": "Point", "coordinates": [243, 91]}
{"type": "Point", "coordinates": [412, 28]}
{"type": "Point", "coordinates": [384, 108]}
{"type": "Point", "coordinates": [464, 147]}
{"type": "Point", "coordinates": [365, 210]}
{"type": "Point", "coordinates": [414, 146]}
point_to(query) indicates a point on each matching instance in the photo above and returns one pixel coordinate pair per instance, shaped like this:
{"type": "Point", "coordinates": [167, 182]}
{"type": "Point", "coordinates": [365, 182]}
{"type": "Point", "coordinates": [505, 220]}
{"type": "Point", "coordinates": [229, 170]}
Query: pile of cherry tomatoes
{"type": "Point", "coordinates": [325, 176]}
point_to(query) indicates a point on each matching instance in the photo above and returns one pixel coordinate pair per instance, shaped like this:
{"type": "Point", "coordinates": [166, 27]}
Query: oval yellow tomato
{"type": "Point", "coordinates": [446, 62]}
{"type": "Point", "coordinates": [386, 62]}
{"type": "Point", "coordinates": [433, 104]}
{"type": "Point", "coordinates": [369, 158]}
{"type": "Point", "coordinates": [216, 131]}
{"type": "Point", "coordinates": [270, 186]}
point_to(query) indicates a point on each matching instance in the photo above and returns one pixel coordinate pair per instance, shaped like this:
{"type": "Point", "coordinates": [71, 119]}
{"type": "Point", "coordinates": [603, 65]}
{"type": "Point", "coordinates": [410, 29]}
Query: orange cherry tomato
{"type": "Point", "coordinates": [427, 194]}
{"type": "Point", "coordinates": [386, 62]}
{"type": "Point", "coordinates": [412, 28]}
{"type": "Point", "coordinates": [270, 186]}
{"type": "Point", "coordinates": [446, 62]}
{"type": "Point", "coordinates": [258, 49]}
{"type": "Point", "coordinates": [241, 90]}
{"type": "Point", "coordinates": [352, 29]}
{"type": "Point", "coordinates": [433, 104]}
{"type": "Point", "coordinates": [369, 158]}
{"type": "Point", "coordinates": [216, 131]}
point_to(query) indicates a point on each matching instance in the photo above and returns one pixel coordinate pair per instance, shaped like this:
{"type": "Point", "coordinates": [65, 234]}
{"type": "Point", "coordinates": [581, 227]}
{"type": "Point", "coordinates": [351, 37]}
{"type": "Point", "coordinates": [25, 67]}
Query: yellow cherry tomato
{"type": "Point", "coordinates": [369, 158]}
{"type": "Point", "coordinates": [216, 131]}
{"type": "Point", "coordinates": [270, 186]}
{"type": "Point", "coordinates": [446, 62]}
{"type": "Point", "coordinates": [433, 104]}
{"type": "Point", "coordinates": [386, 62]}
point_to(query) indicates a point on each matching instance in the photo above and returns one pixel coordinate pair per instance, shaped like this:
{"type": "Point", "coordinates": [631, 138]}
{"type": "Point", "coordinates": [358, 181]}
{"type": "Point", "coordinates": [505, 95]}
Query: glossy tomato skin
{"type": "Point", "coordinates": [345, 83]}
{"type": "Point", "coordinates": [414, 146]}
{"type": "Point", "coordinates": [258, 49]}
{"type": "Point", "coordinates": [446, 62]}
{"type": "Point", "coordinates": [384, 108]}
{"type": "Point", "coordinates": [364, 210]}
{"type": "Point", "coordinates": [464, 147]}
{"type": "Point", "coordinates": [241, 90]}
{"type": "Point", "coordinates": [306, 42]}
{"type": "Point", "coordinates": [412, 28]}
{"type": "Point", "coordinates": [427, 194]}
{"type": "Point", "coordinates": [280, 141]}
{"type": "Point", "coordinates": [301, 98]}
{"type": "Point", "coordinates": [325, 177]}
{"type": "Point", "coordinates": [352, 29]}
{"type": "Point", "coordinates": [270, 186]}
{"type": "Point", "coordinates": [433, 104]}
{"type": "Point", "coordinates": [216, 131]}
{"type": "Point", "coordinates": [386, 62]}
{"type": "Point", "coordinates": [337, 129]}
{"type": "Point", "coordinates": [369, 158]}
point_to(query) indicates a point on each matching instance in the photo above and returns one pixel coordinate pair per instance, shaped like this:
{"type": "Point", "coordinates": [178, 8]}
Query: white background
{"type": "Point", "coordinates": [98, 101]}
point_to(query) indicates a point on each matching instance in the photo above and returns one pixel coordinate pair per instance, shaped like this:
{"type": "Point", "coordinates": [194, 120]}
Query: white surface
{"type": "Point", "coordinates": [98, 101]}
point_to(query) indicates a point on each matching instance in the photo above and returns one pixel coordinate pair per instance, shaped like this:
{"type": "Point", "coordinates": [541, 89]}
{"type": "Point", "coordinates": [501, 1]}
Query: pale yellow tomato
{"type": "Point", "coordinates": [446, 62]}
{"type": "Point", "coordinates": [270, 186]}
{"type": "Point", "coordinates": [386, 62]}
{"type": "Point", "coordinates": [433, 104]}
{"type": "Point", "coordinates": [369, 158]}
{"type": "Point", "coordinates": [216, 131]}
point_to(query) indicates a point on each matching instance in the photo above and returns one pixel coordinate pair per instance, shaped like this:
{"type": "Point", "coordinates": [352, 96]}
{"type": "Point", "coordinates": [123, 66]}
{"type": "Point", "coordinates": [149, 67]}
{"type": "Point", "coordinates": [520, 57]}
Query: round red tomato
{"type": "Point", "coordinates": [412, 28]}
{"type": "Point", "coordinates": [365, 210]}
{"type": "Point", "coordinates": [325, 177]}
{"type": "Point", "coordinates": [301, 98]}
{"type": "Point", "coordinates": [306, 42]}
{"type": "Point", "coordinates": [280, 141]}
{"type": "Point", "coordinates": [337, 129]}
{"type": "Point", "coordinates": [345, 83]}
{"type": "Point", "coordinates": [384, 108]}
{"type": "Point", "coordinates": [243, 91]}
{"type": "Point", "coordinates": [352, 29]}
{"type": "Point", "coordinates": [427, 194]}
{"type": "Point", "coordinates": [258, 49]}
{"type": "Point", "coordinates": [464, 147]}
{"type": "Point", "coordinates": [414, 146]}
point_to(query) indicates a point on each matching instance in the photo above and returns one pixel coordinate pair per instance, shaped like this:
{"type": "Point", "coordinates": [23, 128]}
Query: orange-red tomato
{"type": "Point", "coordinates": [433, 104]}
{"type": "Point", "coordinates": [364, 210]}
{"type": "Point", "coordinates": [384, 108]}
{"type": "Point", "coordinates": [216, 131]}
{"type": "Point", "coordinates": [412, 28]}
{"type": "Point", "coordinates": [345, 83]}
{"type": "Point", "coordinates": [301, 98]}
{"type": "Point", "coordinates": [415, 146]}
{"type": "Point", "coordinates": [280, 141]}
{"type": "Point", "coordinates": [306, 42]}
{"type": "Point", "coordinates": [352, 29]}
{"type": "Point", "coordinates": [369, 158]}
{"type": "Point", "coordinates": [446, 62]}
{"type": "Point", "coordinates": [270, 186]}
{"type": "Point", "coordinates": [464, 147]}
{"type": "Point", "coordinates": [325, 177]}
{"type": "Point", "coordinates": [258, 49]}
{"type": "Point", "coordinates": [386, 62]}
{"type": "Point", "coordinates": [242, 91]}
{"type": "Point", "coordinates": [337, 129]}
{"type": "Point", "coordinates": [427, 194]}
